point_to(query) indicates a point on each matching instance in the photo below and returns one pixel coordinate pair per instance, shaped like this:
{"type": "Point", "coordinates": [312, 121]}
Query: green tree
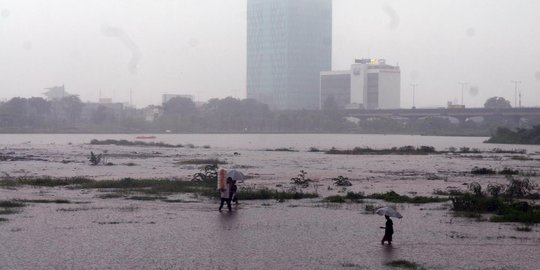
{"type": "Point", "coordinates": [14, 112]}
{"type": "Point", "coordinates": [497, 103]}
{"type": "Point", "coordinates": [179, 106]}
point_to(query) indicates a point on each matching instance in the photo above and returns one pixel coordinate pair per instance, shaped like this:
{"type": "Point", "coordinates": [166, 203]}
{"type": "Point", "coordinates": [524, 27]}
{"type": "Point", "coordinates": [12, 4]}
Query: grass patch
{"type": "Point", "coordinates": [282, 150]}
{"type": "Point", "coordinates": [59, 201]}
{"type": "Point", "coordinates": [504, 210]}
{"type": "Point", "coordinates": [392, 196]}
{"type": "Point", "coordinates": [482, 171]}
{"type": "Point", "coordinates": [11, 204]}
{"type": "Point", "coordinates": [508, 171]}
{"type": "Point", "coordinates": [146, 198]}
{"type": "Point", "coordinates": [335, 199]}
{"type": "Point", "coordinates": [523, 229]}
{"type": "Point", "coordinates": [112, 195]}
{"type": "Point", "coordinates": [404, 150]}
{"type": "Point", "coordinates": [448, 193]}
{"type": "Point", "coordinates": [79, 209]}
{"type": "Point", "coordinates": [134, 143]}
{"type": "Point", "coordinates": [467, 214]}
{"type": "Point", "coordinates": [10, 207]}
{"type": "Point", "coordinates": [202, 161]}
{"type": "Point", "coordinates": [173, 201]}
{"type": "Point", "coordinates": [404, 264]}
{"type": "Point", "coordinates": [45, 182]}
{"type": "Point", "coordinates": [268, 194]}
{"type": "Point", "coordinates": [355, 197]}
{"type": "Point", "coordinates": [8, 211]}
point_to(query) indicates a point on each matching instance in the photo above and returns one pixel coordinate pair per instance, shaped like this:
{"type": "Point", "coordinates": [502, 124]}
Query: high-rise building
{"type": "Point", "coordinates": [289, 42]}
{"type": "Point", "coordinates": [369, 84]}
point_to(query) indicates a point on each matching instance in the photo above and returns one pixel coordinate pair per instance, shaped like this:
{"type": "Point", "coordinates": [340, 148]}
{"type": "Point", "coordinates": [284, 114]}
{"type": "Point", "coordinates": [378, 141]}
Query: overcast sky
{"type": "Point", "coordinates": [198, 47]}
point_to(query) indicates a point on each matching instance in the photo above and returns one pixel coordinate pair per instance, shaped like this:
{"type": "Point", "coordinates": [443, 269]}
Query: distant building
{"type": "Point", "coordinates": [166, 97]}
{"type": "Point", "coordinates": [105, 100]}
{"type": "Point", "coordinates": [56, 93]}
{"type": "Point", "coordinates": [369, 84]}
{"type": "Point", "coordinates": [152, 112]}
{"type": "Point", "coordinates": [335, 88]}
{"type": "Point", "coordinates": [289, 42]}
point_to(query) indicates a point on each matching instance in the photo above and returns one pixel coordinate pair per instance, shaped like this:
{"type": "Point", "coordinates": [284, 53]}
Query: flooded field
{"type": "Point", "coordinates": [91, 232]}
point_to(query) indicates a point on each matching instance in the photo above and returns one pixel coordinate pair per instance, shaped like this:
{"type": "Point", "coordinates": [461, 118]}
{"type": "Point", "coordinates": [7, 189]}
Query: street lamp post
{"type": "Point", "coordinates": [515, 91]}
{"type": "Point", "coordinates": [414, 85]}
{"type": "Point", "coordinates": [463, 84]}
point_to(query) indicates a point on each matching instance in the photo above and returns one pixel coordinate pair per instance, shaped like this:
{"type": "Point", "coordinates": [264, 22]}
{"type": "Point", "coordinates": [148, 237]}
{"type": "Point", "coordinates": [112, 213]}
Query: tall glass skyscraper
{"type": "Point", "coordinates": [289, 42]}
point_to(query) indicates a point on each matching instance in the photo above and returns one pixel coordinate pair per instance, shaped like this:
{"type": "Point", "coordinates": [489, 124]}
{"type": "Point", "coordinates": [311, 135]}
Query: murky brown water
{"type": "Point", "coordinates": [123, 234]}
{"type": "Point", "coordinates": [126, 234]}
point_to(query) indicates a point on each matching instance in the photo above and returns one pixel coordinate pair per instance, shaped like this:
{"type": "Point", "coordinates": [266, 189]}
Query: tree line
{"type": "Point", "coordinates": [228, 115]}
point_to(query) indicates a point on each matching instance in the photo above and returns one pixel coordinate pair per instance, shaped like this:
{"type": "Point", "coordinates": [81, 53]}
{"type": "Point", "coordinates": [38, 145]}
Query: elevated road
{"type": "Point", "coordinates": [443, 112]}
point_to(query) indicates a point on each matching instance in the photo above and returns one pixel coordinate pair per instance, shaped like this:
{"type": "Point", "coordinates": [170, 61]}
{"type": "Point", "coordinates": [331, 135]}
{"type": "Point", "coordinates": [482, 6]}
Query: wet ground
{"type": "Point", "coordinates": [308, 234]}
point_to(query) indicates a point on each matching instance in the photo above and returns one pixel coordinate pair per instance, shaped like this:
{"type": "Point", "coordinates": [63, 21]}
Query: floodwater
{"type": "Point", "coordinates": [308, 234]}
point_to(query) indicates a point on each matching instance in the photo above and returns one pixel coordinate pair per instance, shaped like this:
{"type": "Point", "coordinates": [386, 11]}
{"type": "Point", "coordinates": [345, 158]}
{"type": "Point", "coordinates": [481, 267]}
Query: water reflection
{"type": "Point", "coordinates": [388, 253]}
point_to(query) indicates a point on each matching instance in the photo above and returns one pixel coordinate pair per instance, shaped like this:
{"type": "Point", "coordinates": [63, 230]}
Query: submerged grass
{"type": "Point", "coordinates": [8, 211]}
{"type": "Point", "coordinates": [392, 196]}
{"type": "Point", "coordinates": [505, 210]}
{"type": "Point", "coordinates": [355, 197]}
{"type": "Point", "coordinates": [404, 264]}
{"type": "Point", "coordinates": [268, 194]}
{"type": "Point", "coordinates": [123, 188]}
{"type": "Point", "coordinates": [134, 143]}
{"type": "Point", "coordinates": [10, 207]}
{"type": "Point", "coordinates": [147, 198]}
{"type": "Point", "coordinates": [45, 181]}
{"type": "Point", "coordinates": [523, 229]}
{"type": "Point", "coordinates": [11, 204]}
{"type": "Point", "coordinates": [59, 201]}
{"type": "Point", "coordinates": [404, 150]}
{"type": "Point", "coordinates": [202, 161]}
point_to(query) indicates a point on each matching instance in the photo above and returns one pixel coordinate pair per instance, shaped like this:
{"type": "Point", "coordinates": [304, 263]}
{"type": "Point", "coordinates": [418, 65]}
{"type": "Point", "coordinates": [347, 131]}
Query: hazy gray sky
{"type": "Point", "coordinates": [198, 47]}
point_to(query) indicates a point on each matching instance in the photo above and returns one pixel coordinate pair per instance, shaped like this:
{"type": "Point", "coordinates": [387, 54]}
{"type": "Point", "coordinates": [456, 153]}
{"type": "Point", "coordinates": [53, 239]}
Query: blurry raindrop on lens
{"type": "Point", "coordinates": [394, 17]}
{"type": "Point", "coordinates": [473, 91]}
{"type": "Point", "coordinates": [192, 43]}
{"type": "Point", "coordinates": [4, 13]}
{"type": "Point", "coordinates": [27, 45]}
{"type": "Point", "coordinates": [471, 32]}
{"type": "Point", "coordinates": [537, 75]}
{"type": "Point", "coordinates": [414, 75]}
{"type": "Point", "coordinates": [111, 31]}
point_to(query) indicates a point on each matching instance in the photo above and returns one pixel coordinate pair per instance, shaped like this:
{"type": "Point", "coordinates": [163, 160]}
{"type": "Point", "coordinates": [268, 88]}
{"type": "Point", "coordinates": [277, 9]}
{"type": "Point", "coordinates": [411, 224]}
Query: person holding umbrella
{"type": "Point", "coordinates": [388, 212]}
{"type": "Point", "coordinates": [388, 231]}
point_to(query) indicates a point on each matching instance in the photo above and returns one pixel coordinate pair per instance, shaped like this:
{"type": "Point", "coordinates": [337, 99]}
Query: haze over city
{"type": "Point", "coordinates": [199, 48]}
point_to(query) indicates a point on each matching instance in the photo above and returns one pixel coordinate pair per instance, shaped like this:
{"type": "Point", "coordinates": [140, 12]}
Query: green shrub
{"type": "Point", "coordinates": [477, 170]}
{"type": "Point", "coordinates": [341, 181]}
{"type": "Point", "coordinates": [207, 173]}
{"type": "Point", "coordinates": [301, 180]}
{"type": "Point", "coordinates": [95, 159]}
{"type": "Point", "coordinates": [335, 199]}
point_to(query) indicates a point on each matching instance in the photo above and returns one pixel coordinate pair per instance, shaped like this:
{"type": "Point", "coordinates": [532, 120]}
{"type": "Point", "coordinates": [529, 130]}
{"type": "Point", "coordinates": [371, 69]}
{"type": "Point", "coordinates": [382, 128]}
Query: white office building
{"type": "Point", "coordinates": [369, 84]}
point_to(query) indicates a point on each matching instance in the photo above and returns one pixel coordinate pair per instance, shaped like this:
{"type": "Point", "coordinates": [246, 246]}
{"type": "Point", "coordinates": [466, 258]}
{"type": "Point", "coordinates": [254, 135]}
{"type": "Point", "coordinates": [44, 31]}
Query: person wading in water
{"type": "Point", "coordinates": [388, 231]}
